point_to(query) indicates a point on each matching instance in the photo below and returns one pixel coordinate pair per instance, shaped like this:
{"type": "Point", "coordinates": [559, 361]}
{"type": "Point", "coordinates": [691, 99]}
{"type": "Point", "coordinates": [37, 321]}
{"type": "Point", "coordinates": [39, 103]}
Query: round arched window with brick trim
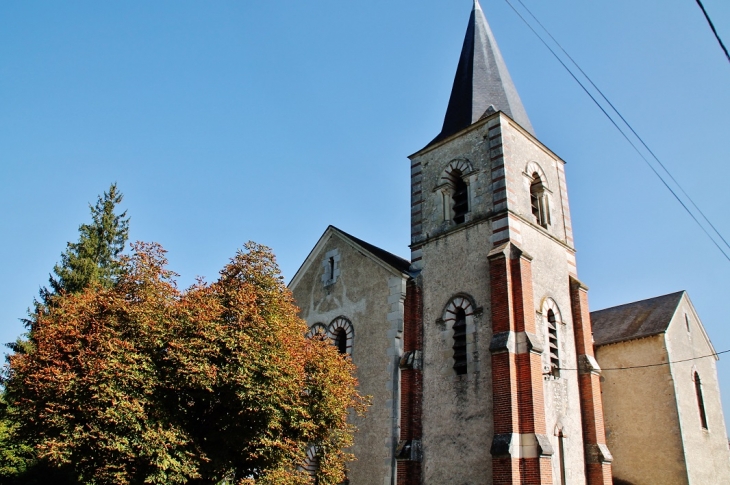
{"type": "Point", "coordinates": [341, 332]}
{"type": "Point", "coordinates": [458, 318]}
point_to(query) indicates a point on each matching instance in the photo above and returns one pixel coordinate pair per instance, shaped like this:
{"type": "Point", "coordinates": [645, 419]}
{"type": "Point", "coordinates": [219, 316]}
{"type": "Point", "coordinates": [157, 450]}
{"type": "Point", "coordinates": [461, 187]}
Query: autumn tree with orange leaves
{"type": "Point", "coordinates": [141, 382]}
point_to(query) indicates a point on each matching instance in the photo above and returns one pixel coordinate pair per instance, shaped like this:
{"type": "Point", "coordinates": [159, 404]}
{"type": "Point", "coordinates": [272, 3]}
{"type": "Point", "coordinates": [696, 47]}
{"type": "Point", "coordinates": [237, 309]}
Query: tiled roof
{"type": "Point", "coordinates": [634, 320]}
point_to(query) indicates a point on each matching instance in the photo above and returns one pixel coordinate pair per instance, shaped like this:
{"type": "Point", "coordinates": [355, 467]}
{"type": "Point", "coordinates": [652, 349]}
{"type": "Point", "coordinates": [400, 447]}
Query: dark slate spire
{"type": "Point", "coordinates": [482, 81]}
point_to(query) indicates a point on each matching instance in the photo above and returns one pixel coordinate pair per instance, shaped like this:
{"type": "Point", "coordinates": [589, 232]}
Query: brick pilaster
{"type": "Point", "coordinates": [411, 430]}
{"type": "Point", "coordinates": [598, 458]}
{"type": "Point", "coordinates": [519, 407]}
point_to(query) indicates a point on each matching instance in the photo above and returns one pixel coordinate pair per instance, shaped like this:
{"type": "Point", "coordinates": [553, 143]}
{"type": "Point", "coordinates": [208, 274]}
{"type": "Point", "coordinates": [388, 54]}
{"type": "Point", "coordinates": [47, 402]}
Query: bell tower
{"type": "Point", "coordinates": [503, 388]}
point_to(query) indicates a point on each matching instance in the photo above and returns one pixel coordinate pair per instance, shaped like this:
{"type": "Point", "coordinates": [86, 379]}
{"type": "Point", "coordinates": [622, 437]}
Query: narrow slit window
{"type": "Point", "coordinates": [700, 401]}
{"type": "Point", "coordinates": [553, 344]}
{"type": "Point", "coordinates": [332, 268]}
{"type": "Point", "coordinates": [460, 342]}
{"type": "Point", "coordinates": [686, 321]}
{"type": "Point", "coordinates": [561, 451]}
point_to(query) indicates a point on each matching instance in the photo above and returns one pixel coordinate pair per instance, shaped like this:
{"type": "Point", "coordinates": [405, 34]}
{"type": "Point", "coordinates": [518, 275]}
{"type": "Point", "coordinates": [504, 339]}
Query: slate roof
{"type": "Point", "coordinates": [634, 320]}
{"type": "Point", "coordinates": [391, 259]}
{"type": "Point", "coordinates": [482, 81]}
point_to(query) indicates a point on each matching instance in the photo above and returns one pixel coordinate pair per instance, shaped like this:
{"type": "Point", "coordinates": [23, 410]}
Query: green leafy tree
{"type": "Point", "coordinates": [139, 382]}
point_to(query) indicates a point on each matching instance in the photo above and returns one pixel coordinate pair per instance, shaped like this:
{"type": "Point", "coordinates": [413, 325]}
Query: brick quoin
{"type": "Point", "coordinates": [546, 468]}
{"type": "Point", "coordinates": [518, 400]}
{"type": "Point", "coordinates": [505, 471]}
{"type": "Point", "coordinates": [409, 472]}
{"type": "Point", "coordinates": [411, 407]}
{"type": "Point", "coordinates": [535, 471]}
{"type": "Point", "coordinates": [521, 270]}
{"type": "Point", "coordinates": [504, 389]}
{"type": "Point", "coordinates": [406, 403]}
{"type": "Point", "coordinates": [529, 369]}
{"type": "Point", "coordinates": [598, 473]}
{"type": "Point", "coordinates": [525, 398]}
{"type": "Point", "coordinates": [501, 307]}
{"type": "Point", "coordinates": [589, 387]}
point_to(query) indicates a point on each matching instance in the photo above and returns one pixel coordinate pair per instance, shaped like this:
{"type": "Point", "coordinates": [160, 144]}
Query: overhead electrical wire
{"type": "Point", "coordinates": [628, 139]}
{"type": "Point", "coordinates": [628, 367]}
{"type": "Point", "coordinates": [641, 140]}
{"type": "Point", "coordinates": [714, 31]}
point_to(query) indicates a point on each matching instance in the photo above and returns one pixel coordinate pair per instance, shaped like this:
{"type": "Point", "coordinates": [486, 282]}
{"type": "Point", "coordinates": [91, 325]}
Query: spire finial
{"type": "Point", "coordinates": [481, 81]}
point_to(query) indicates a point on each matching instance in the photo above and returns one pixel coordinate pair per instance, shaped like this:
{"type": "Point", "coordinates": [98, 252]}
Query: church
{"type": "Point", "coordinates": [482, 358]}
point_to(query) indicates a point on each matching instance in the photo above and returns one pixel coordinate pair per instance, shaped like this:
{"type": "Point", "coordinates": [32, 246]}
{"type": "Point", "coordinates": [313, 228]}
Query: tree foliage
{"type": "Point", "coordinates": [95, 257]}
{"type": "Point", "coordinates": [139, 382]}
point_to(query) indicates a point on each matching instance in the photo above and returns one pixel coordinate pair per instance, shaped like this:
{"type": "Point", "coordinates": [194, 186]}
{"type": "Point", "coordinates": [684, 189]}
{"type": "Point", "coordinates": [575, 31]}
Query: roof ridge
{"type": "Point", "coordinates": [641, 301]}
{"type": "Point", "coordinates": [397, 262]}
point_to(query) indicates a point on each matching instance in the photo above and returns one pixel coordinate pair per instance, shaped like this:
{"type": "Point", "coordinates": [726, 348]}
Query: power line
{"type": "Point", "coordinates": [714, 31]}
{"type": "Point", "coordinates": [627, 124]}
{"type": "Point", "coordinates": [615, 124]}
{"type": "Point", "coordinates": [658, 365]}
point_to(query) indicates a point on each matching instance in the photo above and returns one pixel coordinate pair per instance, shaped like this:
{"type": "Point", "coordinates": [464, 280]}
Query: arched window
{"type": "Point", "coordinates": [458, 317]}
{"type": "Point", "coordinates": [552, 320]}
{"type": "Point", "coordinates": [700, 401]}
{"type": "Point", "coordinates": [341, 332]}
{"type": "Point", "coordinates": [459, 196]}
{"type": "Point", "coordinates": [460, 342]}
{"type": "Point", "coordinates": [553, 346]}
{"type": "Point", "coordinates": [539, 201]}
{"type": "Point", "coordinates": [455, 190]}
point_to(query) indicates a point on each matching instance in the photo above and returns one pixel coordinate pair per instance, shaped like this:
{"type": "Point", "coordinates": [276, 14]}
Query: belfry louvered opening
{"type": "Point", "coordinates": [553, 346]}
{"type": "Point", "coordinates": [460, 196]}
{"type": "Point", "coordinates": [460, 342]}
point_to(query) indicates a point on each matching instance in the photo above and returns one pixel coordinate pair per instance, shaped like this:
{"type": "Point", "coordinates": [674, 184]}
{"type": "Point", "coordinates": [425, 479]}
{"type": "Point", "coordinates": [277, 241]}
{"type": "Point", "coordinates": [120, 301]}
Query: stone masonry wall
{"type": "Point", "coordinates": [371, 297]}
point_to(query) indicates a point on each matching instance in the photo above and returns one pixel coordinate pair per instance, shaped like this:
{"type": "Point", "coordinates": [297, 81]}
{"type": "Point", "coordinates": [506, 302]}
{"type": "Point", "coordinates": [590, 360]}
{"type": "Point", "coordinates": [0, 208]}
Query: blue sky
{"type": "Point", "coordinates": [227, 121]}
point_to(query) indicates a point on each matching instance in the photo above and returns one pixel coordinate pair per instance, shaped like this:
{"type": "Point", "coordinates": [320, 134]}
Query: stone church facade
{"type": "Point", "coordinates": [478, 352]}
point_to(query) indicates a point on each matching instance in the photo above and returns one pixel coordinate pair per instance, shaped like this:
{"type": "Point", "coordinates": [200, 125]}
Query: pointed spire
{"type": "Point", "coordinates": [482, 82]}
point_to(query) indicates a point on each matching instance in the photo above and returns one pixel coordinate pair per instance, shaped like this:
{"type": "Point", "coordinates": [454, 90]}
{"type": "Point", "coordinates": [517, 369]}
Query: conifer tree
{"type": "Point", "coordinates": [95, 257]}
